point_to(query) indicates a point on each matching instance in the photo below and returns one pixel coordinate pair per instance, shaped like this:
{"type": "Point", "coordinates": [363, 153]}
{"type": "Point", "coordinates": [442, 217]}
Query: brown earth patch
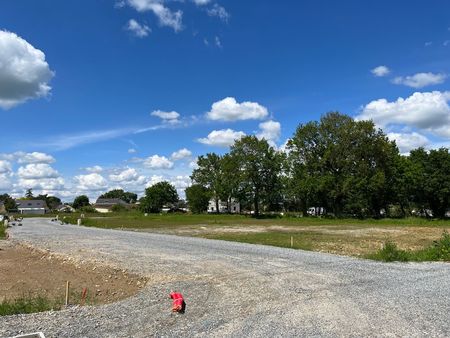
{"type": "Point", "coordinates": [27, 272]}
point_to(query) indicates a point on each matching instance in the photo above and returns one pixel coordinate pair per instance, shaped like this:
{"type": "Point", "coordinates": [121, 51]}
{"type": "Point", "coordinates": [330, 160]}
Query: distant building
{"type": "Point", "coordinates": [32, 207]}
{"type": "Point", "coordinates": [65, 208]}
{"type": "Point", "coordinates": [234, 207]}
{"type": "Point", "coordinates": [105, 205]}
{"type": "Point", "coordinates": [2, 208]}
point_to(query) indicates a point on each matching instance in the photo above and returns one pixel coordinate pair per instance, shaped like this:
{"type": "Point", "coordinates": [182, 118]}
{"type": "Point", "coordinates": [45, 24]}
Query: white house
{"type": "Point", "coordinates": [235, 207]}
{"type": "Point", "coordinates": [37, 207]}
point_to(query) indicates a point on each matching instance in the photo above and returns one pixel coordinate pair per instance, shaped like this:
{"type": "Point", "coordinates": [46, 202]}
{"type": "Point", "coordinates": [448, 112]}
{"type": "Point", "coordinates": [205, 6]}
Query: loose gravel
{"type": "Point", "coordinates": [238, 290]}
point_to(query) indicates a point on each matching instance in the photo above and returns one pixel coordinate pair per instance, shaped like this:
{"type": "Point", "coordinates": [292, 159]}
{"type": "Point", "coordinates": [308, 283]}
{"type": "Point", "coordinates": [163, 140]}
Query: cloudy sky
{"type": "Point", "coordinates": [125, 93]}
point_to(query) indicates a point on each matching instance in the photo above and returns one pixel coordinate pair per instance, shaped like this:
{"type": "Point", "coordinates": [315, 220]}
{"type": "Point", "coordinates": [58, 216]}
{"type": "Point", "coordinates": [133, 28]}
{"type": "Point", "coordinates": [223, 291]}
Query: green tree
{"type": "Point", "coordinates": [126, 196]}
{"type": "Point", "coordinates": [8, 201]}
{"type": "Point", "coordinates": [343, 165]}
{"type": "Point", "coordinates": [198, 198]}
{"type": "Point", "coordinates": [157, 196]}
{"type": "Point", "coordinates": [209, 175]}
{"type": "Point", "coordinates": [52, 201]}
{"type": "Point", "coordinates": [81, 201]}
{"type": "Point", "coordinates": [29, 194]}
{"type": "Point", "coordinates": [259, 171]}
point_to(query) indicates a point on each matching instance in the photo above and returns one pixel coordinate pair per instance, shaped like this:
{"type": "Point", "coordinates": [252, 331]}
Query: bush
{"type": "Point", "coordinates": [390, 253]}
{"type": "Point", "coordinates": [439, 251]}
{"type": "Point", "coordinates": [88, 209]}
{"type": "Point", "coordinates": [119, 208]}
{"type": "Point", "coordinates": [2, 230]}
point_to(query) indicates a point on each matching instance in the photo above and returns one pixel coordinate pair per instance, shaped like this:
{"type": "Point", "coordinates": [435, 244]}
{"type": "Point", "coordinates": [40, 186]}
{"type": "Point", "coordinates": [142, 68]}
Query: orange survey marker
{"type": "Point", "coordinates": [178, 304]}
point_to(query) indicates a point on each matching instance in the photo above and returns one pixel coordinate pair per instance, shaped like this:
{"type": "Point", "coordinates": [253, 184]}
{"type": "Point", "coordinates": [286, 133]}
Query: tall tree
{"type": "Point", "coordinates": [8, 201]}
{"type": "Point", "coordinates": [198, 198]}
{"type": "Point", "coordinates": [157, 196]}
{"type": "Point", "coordinates": [29, 194]}
{"type": "Point", "coordinates": [259, 170]}
{"type": "Point", "coordinates": [209, 175]}
{"type": "Point", "coordinates": [126, 196]}
{"type": "Point", "coordinates": [81, 201]}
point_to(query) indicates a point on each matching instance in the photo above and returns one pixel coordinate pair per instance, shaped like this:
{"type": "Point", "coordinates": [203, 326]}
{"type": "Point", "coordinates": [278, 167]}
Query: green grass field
{"type": "Point", "coordinates": [353, 237]}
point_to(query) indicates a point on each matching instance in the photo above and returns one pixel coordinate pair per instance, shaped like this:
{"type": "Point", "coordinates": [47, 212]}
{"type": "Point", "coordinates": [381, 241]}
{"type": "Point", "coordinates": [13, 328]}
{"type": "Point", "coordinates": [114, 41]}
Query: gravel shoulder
{"type": "Point", "coordinates": [236, 289]}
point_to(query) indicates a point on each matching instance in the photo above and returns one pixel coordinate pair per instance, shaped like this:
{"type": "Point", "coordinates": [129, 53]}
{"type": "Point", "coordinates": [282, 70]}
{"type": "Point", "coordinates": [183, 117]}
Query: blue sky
{"type": "Point", "coordinates": [103, 94]}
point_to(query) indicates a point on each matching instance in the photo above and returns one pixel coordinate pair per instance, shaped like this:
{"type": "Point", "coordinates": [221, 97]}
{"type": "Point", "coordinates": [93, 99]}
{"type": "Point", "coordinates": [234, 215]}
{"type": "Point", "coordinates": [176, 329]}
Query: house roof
{"type": "Point", "coordinates": [110, 202]}
{"type": "Point", "coordinates": [31, 204]}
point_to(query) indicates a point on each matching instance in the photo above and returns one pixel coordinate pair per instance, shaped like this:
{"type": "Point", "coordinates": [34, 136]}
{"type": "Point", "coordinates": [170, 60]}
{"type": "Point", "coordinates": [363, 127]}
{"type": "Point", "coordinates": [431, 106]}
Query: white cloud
{"type": "Point", "coordinates": [218, 42]}
{"type": "Point", "coordinates": [158, 162]}
{"type": "Point", "coordinates": [5, 167]}
{"type": "Point", "coordinates": [201, 2]}
{"type": "Point", "coordinates": [428, 110]}
{"type": "Point", "coordinates": [132, 151]}
{"type": "Point", "coordinates": [380, 71]}
{"type": "Point", "coordinates": [5, 183]}
{"type": "Point", "coordinates": [229, 109]}
{"type": "Point", "coordinates": [166, 16]}
{"type": "Point", "coordinates": [408, 141]}
{"type": "Point", "coordinates": [95, 169]}
{"type": "Point", "coordinates": [34, 157]}
{"type": "Point", "coordinates": [222, 138]}
{"type": "Point", "coordinates": [43, 185]}
{"type": "Point", "coordinates": [37, 171]}
{"type": "Point", "coordinates": [139, 30]}
{"type": "Point", "coordinates": [24, 73]}
{"type": "Point", "coordinates": [167, 117]}
{"type": "Point", "coordinates": [193, 165]}
{"type": "Point", "coordinates": [181, 154]}
{"type": "Point", "coordinates": [129, 175]}
{"type": "Point", "coordinates": [420, 80]}
{"type": "Point", "coordinates": [90, 182]}
{"type": "Point", "coordinates": [270, 130]}
{"type": "Point", "coordinates": [220, 12]}
{"type": "Point", "coordinates": [154, 179]}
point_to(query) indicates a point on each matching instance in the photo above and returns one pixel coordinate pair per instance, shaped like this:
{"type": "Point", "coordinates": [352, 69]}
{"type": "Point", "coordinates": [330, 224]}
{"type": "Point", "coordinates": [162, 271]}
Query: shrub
{"type": "Point", "coordinates": [390, 253]}
{"type": "Point", "coordinates": [439, 251]}
{"type": "Point", "coordinates": [119, 208]}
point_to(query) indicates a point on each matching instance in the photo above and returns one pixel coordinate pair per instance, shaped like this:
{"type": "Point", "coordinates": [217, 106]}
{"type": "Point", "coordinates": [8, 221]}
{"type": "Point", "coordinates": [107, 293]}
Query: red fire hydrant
{"type": "Point", "coordinates": [178, 304]}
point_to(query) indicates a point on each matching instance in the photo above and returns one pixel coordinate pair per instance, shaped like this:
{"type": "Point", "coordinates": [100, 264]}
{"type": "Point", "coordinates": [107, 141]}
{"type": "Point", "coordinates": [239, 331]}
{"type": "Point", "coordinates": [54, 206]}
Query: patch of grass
{"type": "Point", "coordinates": [136, 220]}
{"type": "Point", "coordinates": [2, 230]}
{"type": "Point", "coordinates": [438, 251]}
{"type": "Point", "coordinates": [27, 305]}
{"type": "Point", "coordinates": [390, 253]}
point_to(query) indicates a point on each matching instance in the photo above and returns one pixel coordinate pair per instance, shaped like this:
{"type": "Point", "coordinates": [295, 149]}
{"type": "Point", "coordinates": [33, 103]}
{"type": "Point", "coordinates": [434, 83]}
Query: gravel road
{"type": "Point", "coordinates": [239, 290]}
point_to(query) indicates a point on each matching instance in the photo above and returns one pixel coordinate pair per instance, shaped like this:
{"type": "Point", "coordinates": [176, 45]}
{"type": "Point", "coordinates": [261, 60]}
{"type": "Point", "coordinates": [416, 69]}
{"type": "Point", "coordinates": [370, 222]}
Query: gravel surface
{"type": "Point", "coordinates": [239, 290]}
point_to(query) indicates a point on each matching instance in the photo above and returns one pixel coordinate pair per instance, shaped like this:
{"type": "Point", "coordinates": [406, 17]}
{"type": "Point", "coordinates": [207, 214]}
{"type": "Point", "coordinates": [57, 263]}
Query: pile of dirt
{"type": "Point", "coordinates": [26, 272]}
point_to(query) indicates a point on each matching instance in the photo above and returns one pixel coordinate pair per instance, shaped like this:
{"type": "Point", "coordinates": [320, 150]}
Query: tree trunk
{"type": "Point", "coordinates": [217, 206]}
{"type": "Point", "coordinates": [256, 204]}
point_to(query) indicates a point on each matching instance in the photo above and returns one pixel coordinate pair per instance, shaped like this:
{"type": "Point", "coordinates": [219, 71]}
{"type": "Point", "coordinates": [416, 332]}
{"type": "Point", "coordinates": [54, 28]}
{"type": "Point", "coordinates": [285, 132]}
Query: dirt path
{"type": "Point", "coordinates": [26, 272]}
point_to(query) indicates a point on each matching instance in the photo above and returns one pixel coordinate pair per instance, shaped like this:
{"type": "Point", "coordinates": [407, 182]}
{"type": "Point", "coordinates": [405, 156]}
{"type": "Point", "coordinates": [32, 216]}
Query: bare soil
{"type": "Point", "coordinates": [28, 272]}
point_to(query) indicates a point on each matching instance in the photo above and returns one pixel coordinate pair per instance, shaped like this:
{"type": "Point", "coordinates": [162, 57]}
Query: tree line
{"type": "Point", "coordinates": [339, 165]}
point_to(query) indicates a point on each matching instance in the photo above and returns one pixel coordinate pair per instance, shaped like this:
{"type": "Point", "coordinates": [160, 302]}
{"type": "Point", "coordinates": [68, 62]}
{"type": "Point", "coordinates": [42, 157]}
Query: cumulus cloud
{"type": "Point", "coordinates": [139, 30]}
{"type": "Point", "coordinates": [34, 157]}
{"type": "Point", "coordinates": [128, 176]}
{"type": "Point", "coordinates": [420, 80]}
{"type": "Point", "coordinates": [5, 182]}
{"type": "Point", "coordinates": [95, 169]}
{"type": "Point", "coordinates": [158, 162]}
{"type": "Point", "coordinates": [165, 15]}
{"type": "Point", "coordinates": [408, 141]}
{"type": "Point", "coordinates": [220, 12]}
{"type": "Point", "coordinates": [428, 110]}
{"type": "Point", "coordinates": [229, 109]}
{"type": "Point", "coordinates": [181, 154]}
{"type": "Point", "coordinates": [154, 179]}
{"type": "Point", "coordinates": [43, 185]}
{"type": "Point", "coordinates": [24, 72]}
{"type": "Point", "coordinates": [37, 171]}
{"type": "Point", "coordinates": [380, 71]}
{"type": "Point", "coordinates": [5, 167]}
{"type": "Point", "coordinates": [270, 130]}
{"type": "Point", "coordinates": [90, 182]}
{"type": "Point", "coordinates": [132, 151]}
{"type": "Point", "coordinates": [167, 117]}
{"type": "Point", "coordinates": [222, 138]}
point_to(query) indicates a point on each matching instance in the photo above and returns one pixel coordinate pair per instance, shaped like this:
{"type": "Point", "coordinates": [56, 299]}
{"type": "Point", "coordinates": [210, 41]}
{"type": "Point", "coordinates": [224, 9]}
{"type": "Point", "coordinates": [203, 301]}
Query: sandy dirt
{"type": "Point", "coordinates": [27, 272]}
